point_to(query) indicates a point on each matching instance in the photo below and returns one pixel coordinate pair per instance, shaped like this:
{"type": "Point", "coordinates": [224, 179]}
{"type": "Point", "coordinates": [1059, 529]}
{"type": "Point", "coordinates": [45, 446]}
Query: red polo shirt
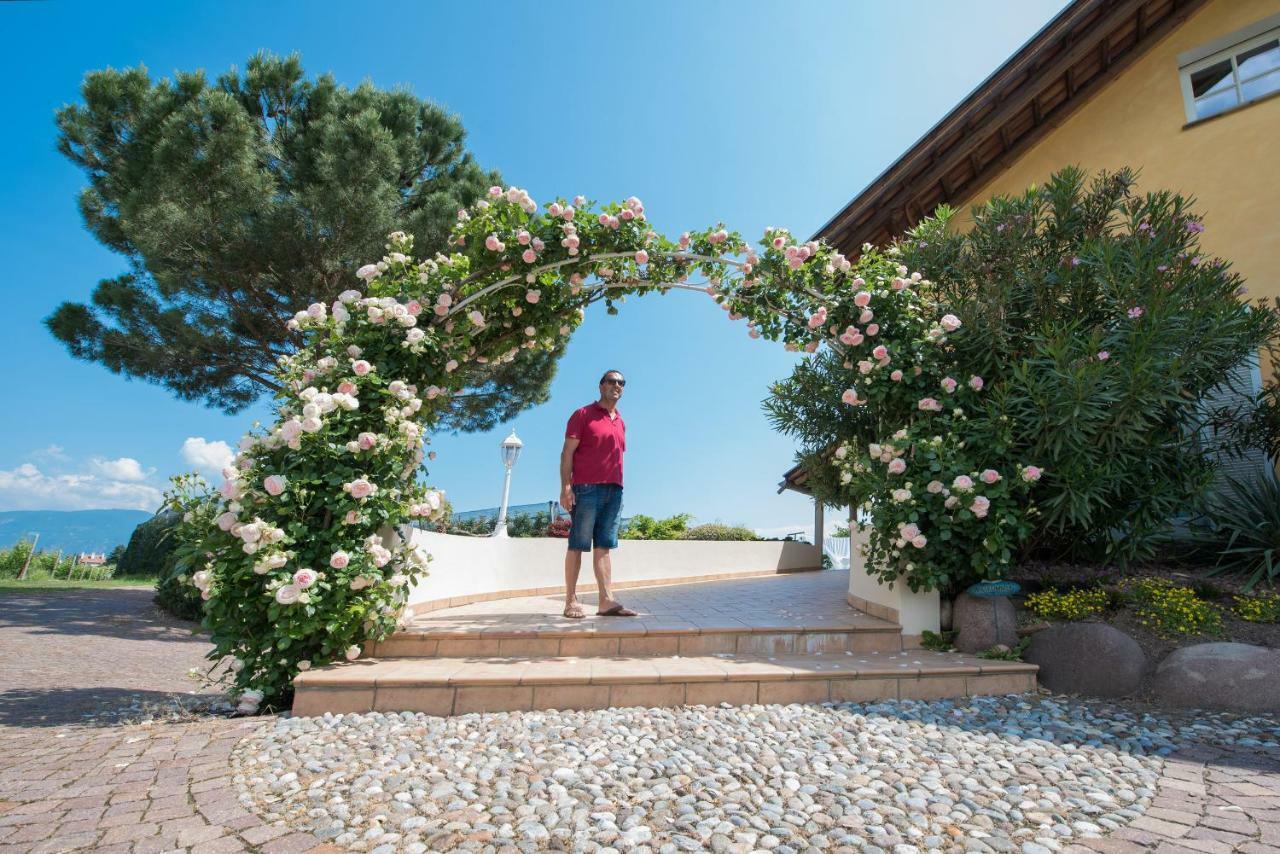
{"type": "Point", "coordinates": [601, 442]}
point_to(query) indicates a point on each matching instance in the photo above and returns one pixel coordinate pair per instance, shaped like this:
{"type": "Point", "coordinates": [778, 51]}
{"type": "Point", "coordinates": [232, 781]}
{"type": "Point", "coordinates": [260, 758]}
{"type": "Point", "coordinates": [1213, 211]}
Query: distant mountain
{"type": "Point", "coordinates": [71, 530]}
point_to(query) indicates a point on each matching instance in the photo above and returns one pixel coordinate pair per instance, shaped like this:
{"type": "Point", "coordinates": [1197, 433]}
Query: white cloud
{"type": "Point", "coordinates": [207, 456]}
{"type": "Point", "coordinates": [125, 468]}
{"type": "Point", "coordinates": [55, 453]}
{"type": "Point", "coordinates": [28, 488]}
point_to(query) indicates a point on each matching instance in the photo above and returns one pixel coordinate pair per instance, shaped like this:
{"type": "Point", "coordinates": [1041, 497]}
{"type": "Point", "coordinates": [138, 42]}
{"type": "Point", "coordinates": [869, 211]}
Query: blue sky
{"type": "Point", "coordinates": [753, 113]}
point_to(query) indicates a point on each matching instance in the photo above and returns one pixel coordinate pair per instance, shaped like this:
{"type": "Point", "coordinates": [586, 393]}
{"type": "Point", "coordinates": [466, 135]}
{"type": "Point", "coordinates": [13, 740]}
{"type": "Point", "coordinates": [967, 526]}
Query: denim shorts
{"type": "Point", "coordinates": [597, 507]}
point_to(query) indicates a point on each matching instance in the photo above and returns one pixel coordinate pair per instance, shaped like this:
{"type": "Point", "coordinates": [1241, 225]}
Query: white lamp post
{"type": "Point", "coordinates": [510, 452]}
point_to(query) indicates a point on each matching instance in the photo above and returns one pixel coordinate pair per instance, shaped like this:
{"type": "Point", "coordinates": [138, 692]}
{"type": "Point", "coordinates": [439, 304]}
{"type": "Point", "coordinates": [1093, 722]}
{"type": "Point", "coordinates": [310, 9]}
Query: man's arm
{"type": "Point", "coordinates": [566, 472]}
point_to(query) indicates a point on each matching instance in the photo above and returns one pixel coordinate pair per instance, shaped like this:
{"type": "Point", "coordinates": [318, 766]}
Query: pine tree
{"type": "Point", "coordinates": [239, 203]}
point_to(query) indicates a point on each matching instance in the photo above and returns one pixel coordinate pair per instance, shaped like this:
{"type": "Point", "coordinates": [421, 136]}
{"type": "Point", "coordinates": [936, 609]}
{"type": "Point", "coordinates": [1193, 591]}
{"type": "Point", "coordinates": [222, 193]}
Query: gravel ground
{"type": "Point", "coordinates": [1003, 774]}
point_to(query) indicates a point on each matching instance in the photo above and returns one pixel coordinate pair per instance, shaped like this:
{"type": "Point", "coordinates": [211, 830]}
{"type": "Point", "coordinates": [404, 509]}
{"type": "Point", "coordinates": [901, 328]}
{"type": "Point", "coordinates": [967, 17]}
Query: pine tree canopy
{"type": "Point", "coordinates": [240, 203]}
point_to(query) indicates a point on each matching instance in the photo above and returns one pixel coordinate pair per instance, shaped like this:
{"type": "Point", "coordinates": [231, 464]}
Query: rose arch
{"type": "Point", "coordinates": [301, 562]}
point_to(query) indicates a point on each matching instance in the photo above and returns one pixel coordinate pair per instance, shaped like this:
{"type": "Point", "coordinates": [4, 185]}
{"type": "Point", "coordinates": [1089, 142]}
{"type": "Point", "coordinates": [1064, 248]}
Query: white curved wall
{"type": "Point", "coordinates": [489, 567]}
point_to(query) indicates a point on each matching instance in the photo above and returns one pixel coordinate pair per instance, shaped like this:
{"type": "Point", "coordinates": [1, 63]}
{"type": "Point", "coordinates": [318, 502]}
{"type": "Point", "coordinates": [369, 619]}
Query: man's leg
{"type": "Point", "coordinates": [606, 539]}
{"type": "Point", "coordinates": [603, 566]}
{"type": "Point", "coordinates": [572, 569]}
{"type": "Point", "coordinates": [584, 518]}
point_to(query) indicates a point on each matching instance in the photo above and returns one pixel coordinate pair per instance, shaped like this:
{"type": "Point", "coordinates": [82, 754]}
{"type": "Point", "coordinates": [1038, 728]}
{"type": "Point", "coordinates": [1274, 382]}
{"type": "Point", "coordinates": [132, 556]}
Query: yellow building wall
{"type": "Point", "coordinates": [1229, 163]}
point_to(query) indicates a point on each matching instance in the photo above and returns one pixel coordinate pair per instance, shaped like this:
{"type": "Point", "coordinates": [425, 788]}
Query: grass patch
{"type": "Point", "coordinates": [46, 584]}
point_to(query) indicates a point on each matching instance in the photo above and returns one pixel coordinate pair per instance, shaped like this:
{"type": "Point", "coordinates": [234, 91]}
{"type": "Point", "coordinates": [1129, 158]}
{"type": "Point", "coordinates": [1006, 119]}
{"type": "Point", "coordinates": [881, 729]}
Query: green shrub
{"type": "Point", "coordinates": [937, 641]}
{"type": "Point", "coordinates": [1241, 527]}
{"type": "Point", "coordinates": [641, 527]}
{"type": "Point", "coordinates": [1087, 329]}
{"type": "Point", "coordinates": [1072, 605]}
{"type": "Point", "coordinates": [1170, 610]}
{"type": "Point", "coordinates": [150, 545]}
{"type": "Point", "coordinates": [1263, 608]}
{"type": "Point", "coordinates": [719, 531]}
{"type": "Point", "coordinates": [44, 564]}
{"type": "Point", "coordinates": [1099, 325]}
{"type": "Point", "coordinates": [191, 502]}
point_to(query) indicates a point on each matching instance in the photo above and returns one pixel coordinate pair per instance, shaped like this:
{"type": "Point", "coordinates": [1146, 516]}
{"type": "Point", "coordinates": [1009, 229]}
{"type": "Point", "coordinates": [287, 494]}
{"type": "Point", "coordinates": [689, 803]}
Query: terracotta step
{"type": "Point", "coordinates": [453, 686]}
{"type": "Point", "coordinates": [859, 633]}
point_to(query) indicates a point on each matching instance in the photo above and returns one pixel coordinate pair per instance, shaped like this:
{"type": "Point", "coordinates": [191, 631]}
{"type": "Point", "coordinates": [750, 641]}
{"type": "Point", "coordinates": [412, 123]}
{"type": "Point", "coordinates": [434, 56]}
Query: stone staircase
{"type": "Point", "coordinates": [472, 662]}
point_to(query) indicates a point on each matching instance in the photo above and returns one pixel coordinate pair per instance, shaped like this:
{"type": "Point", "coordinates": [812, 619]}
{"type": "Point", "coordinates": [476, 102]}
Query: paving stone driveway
{"type": "Point", "coordinates": [78, 772]}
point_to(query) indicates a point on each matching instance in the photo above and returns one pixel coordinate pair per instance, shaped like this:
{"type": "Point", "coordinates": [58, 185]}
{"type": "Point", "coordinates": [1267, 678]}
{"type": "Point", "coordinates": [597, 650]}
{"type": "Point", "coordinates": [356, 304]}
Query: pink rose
{"type": "Point", "coordinates": [980, 506]}
{"type": "Point", "coordinates": [346, 387]}
{"type": "Point", "coordinates": [896, 376]}
{"type": "Point", "coordinates": [367, 441]}
{"type": "Point", "coordinates": [880, 352]}
{"type": "Point", "coordinates": [413, 307]}
{"type": "Point", "coordinates": [288, 594]}
{"type": "Point", "coordinates": [1103, 355]}
{"type": "Point", "coordinates": [934, 487]}
{"type": "Point", "coordinates": [642, 257]}
{"type": "Point", "coordinates": [850, 397]}
{"type": "Point", "coordinates": [950, 322]}
{"type": "Point", "coordinates": [529, 256]}
{"type": "Point", "coordinates": [976, 383]}
{"type": "Point", "coordinates": [929, 404]}
{"type": "Point", "coordinates": [359, 488]}
{"type": "Point", "coordinates": [351, 518]}
{"type": "Point", "coordinates": [949, 385]}
{"type": "Point", "coordinates": [339, 560]}
{"type": "Point", "coordinates": [492, 243]}
{"type": "Point", "coordinates": [274, 485]}
{"type": "Point", "coordinates": [962, 483]}
{"type": "Point", "coordinates": [304, 578]}
{"type": "Point", "coordinates": [897, 466]}
{"type": "Point", "coordinates": [1031, 473]}
{"type": "Point", "coordinates": [523, 237]}
{"type": "Point", "coordinates": [873, 329]}
{"type": "Point", "coordinates": [989, 476]}
{"type": "Point", "coordinates": [862, 299]}
{"type": "Point", "coordinates": [361, 367]}
{"type": "Point", "coordinates": [532, 297]}
{"type": "Point", "coordinates": [919, 541]}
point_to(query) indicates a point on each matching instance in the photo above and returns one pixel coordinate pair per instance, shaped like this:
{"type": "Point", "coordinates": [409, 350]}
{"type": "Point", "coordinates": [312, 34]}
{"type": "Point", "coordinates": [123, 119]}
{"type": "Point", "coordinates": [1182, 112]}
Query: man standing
{"type": "Point", "coordinates": [591, 489]}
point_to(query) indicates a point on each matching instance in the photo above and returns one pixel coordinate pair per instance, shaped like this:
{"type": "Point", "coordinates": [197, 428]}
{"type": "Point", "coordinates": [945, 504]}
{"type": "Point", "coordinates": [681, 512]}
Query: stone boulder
{"type": "Point", "coordinates": [982, 622]}
{"type": "Point", "coordinates": [1237, 677]}
{"type": "Point", "coordinates": [1092, 659]}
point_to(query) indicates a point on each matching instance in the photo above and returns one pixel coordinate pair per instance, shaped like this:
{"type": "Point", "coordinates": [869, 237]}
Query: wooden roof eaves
{"type": "Point", "coordinates": [931, 157]}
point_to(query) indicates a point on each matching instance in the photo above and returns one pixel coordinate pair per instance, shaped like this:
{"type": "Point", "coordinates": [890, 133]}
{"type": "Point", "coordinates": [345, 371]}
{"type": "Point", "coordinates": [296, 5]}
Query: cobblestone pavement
{"type": "Point", "coordinates": [78, 771]}
{"type": "Point", "coordinates": [81, 768]}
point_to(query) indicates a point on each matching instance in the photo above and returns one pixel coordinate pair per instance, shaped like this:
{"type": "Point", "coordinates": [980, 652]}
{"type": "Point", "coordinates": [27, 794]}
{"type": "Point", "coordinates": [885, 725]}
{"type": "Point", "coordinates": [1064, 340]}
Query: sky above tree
{"type": "Point", "coordinates": [753, 113]}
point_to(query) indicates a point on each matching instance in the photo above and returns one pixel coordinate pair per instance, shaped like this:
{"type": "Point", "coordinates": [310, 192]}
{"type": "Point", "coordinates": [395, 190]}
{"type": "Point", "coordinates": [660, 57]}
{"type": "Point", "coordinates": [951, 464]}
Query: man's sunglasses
{"type": "Point", "coordinates": [613, 382]}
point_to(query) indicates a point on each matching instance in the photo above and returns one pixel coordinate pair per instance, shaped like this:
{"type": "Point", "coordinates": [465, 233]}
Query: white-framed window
{"type": "Point", "coordinates": [1231, 71]}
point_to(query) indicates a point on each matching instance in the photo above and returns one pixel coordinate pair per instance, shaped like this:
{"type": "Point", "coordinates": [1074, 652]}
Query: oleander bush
{"type": "Point", "coordinates": [1100, 325]}
{"type": "Point", "coordinates": [1084, 329]}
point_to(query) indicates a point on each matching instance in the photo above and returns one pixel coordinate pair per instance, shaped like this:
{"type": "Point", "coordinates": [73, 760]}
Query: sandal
{"type": "Point", "coordinates": [617, 611]}
{"type": "Point", "coordinates": [574, 611]}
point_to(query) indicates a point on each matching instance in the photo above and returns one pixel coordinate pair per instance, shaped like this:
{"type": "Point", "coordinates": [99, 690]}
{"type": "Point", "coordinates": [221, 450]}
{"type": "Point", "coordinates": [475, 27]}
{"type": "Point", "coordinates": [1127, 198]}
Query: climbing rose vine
{"type": "Point", "coordinates": [305, 561]}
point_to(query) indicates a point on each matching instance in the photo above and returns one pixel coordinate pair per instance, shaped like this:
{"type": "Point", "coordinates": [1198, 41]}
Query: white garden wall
{"type": "Point", "coordinates": [469, 569]}
{"type": "Point", "coordinates": [915, 612]}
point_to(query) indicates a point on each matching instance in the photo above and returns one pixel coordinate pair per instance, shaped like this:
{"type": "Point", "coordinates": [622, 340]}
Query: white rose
{"type": "Point", "coordinates": [288, 594]}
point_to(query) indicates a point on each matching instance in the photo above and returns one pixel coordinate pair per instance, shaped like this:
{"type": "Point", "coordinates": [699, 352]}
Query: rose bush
{"type": "Point", "coordinates": [303, 562]}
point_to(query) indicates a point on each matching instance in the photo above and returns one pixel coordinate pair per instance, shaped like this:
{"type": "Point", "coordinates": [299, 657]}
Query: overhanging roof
{"type": "Point", "coordinates": [1062, 66]}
